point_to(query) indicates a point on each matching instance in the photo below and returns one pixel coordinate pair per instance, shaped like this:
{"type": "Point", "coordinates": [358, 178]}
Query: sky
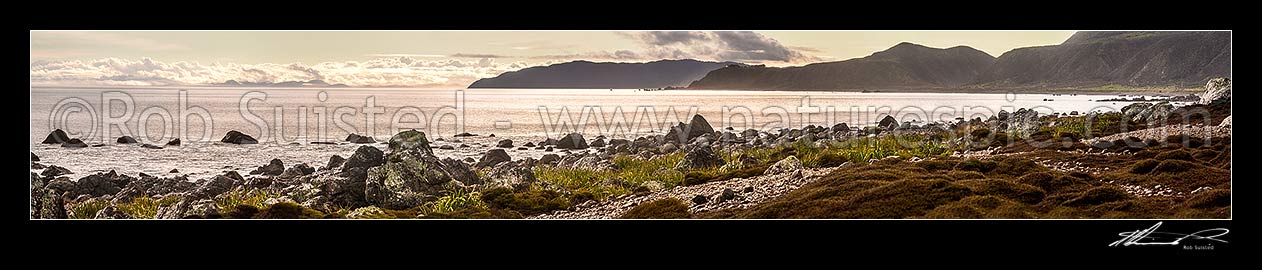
{"type": "Point", "coordinates": [443, 59]}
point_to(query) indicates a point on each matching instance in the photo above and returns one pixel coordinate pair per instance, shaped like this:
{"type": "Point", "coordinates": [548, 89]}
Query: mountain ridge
{"type": "Point", "coordinates": [1084, 60]}
{"type": "Point", "coordinates": [589, 74]}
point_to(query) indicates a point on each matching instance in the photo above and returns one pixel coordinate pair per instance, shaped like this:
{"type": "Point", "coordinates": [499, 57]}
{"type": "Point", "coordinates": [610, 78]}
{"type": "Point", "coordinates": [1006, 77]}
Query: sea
{"type": "Point", "coordinates": [287, 120]}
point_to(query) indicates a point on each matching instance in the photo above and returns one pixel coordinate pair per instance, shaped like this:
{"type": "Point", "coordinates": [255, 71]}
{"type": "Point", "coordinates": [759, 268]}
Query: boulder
{"type": "Point", "coordinates": [465, 134]}
{"type": "Point", "coordinates": [549, 159]}
{"type": "Point", "coordinates": [334, 162]}
{"type": "Point", "coordinates": [174, 142]}
{"type": "Point", "coordinates": [529, 144]}
{"type": "Point", "coordinates": [74, 143]}
{"type": "Point", "coordinates": [365, 157]}
{"type": "Point", "coordinates": [504, 144]}
{"type": "Point", "coordinates": [1216, 91]}
{"type": "Point", "coordinates": [298, 170]}
{"type": "Point", "coordinates": [700, 199]}
{"type": "Point", "coordinates": [236, 137]}
{"type": "Point", "coordinates": [667, 148]}
{"type": "Point", "coordinates": [126, 139]}
{"type": "Point", "coordinates": [274, 167]}
{"type": "Point", "coordinates": [888, 123]}
{"type": "Point", "coordinates": [726, 195]}
{"type": "Point", "coordinates": [410, 140]}
{"type": "Point", "coordinates": [1025, 121]}
{"type": "Point", "coordinates": [212, 187]}
{"type": "Point", "coordinates": [750, 134]}
{"type": "Point", "coordinates": [356, 138]}
{"type": "Point", "coordinates": [572, 141]}
{"type": "Point", "coordinates": [840, 127]}
{"type": "Point", "coordinates": [698, 158]}
{"type": "Point", "coordinates": [408, 180]}
{"type": "Point", "coordinates": [585, 162]}
{"type": "Point", "coordinates": [36, 158]}
{"type": "Point", "coordinates": [598, 142]}
{"type": "Point", "coordinates": [56, 137]}
{"type": "Point", "coordinates": [517, 178]}
{"type": "Point", "coordinates": [99, 184]}
{"type": "Point", "coordinates": [150, 146]}
{"type": "Point", "coordinates": [447, 147]}
{"type": "Point", "coordinates": [698, 126]}
{"type": "Point", "coordinates": [461, 172]}
{"type": "Point", "coordinates": [789, 164]}
{"type": "Point", "coordinates": [493, 157]}
{"type": "Point", "coordinates": [54, 171]}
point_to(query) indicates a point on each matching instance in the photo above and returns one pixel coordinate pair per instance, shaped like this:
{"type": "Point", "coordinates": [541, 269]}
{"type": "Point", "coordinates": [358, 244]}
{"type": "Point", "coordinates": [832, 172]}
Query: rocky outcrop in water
{"type": "Point", "coordinates": [56, 137]}
{"type": "Point", "coordinates": [236, 137]}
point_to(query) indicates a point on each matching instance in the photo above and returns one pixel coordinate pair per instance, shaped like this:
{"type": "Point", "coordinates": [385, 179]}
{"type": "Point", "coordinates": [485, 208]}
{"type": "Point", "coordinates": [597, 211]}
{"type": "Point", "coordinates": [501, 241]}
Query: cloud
{"type": "Point", "coordinates": [478, 55]}
{"type": "Point", "coordinates": [406, 55]}
{"type": "Point", "coordinates": [387, 71]}
{"type": "Point", "coordinates": [742, 46]}
{"type": "Point", "coordinates": [598, 55]}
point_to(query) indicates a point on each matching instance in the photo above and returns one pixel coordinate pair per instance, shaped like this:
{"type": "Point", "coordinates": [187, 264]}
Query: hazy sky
{"type": "Point", "coordinates": [444, 58]}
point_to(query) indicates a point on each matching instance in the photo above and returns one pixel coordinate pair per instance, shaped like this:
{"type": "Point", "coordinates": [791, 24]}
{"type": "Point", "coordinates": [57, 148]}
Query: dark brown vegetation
{"type": "Point", "coordinates": [1167, 180]}
{"type": "Point", "coordinates": [669, 208]}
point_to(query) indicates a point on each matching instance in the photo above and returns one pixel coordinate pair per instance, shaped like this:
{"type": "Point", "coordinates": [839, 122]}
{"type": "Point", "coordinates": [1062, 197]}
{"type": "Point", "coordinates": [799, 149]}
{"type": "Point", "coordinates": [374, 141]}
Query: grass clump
{"type": "Point", "coordinates": [532, 202]}
{"type": "Point", "coordinates": [1144, 166]}
{"type": "Point", "coordinates": [1099, 195]}
{"type": "Point", "coordinates": [976, 165]}
{"type": "Point", "coordinates": [1179, 154]}
{"type": "Point", "coordinates": [669, 208]}
{"type": "Point", "coordinates": [236, 197]}
{"type": "Point", "coordinates": [145, 207]}
{"type": "Point", "coordinates": [982, 207]}
{"type": "Point", "coordinates": [87, 209]}
{"type": "Point", "coordinates": [1210, 199]}
{"type": "Point", "coordinates": [1006, 189]}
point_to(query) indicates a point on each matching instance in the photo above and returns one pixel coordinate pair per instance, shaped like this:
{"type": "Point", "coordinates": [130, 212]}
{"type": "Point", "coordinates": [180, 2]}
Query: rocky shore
{"type": "Point", "coordinates": [714, 172]}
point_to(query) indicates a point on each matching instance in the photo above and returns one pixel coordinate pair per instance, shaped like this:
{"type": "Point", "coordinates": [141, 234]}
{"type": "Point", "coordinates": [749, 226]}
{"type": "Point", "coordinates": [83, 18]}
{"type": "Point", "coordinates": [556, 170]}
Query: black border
{"type": "Point", "coordinates": [623, 239]}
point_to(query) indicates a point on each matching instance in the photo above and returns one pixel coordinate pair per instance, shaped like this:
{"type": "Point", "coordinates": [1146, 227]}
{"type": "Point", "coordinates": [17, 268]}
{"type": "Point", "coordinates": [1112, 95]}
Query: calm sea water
{"type": "Point", "coordinates": [281, 117]}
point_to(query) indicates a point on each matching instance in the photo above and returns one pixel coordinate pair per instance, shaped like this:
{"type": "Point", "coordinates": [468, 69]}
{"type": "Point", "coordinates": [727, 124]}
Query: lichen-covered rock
{"type": "Point", "coordinates": [410, 140]}
{"type": "Point", "coordinates": [510, 175]}
{"type": "Point", "coordinates": [699, 158]}
{"type": "Point", "coordinates": [789, 164]}
{"type": "Point", "coordinates": [408, 180]}
{"type": "Point", "coordinates": [1216, 91]}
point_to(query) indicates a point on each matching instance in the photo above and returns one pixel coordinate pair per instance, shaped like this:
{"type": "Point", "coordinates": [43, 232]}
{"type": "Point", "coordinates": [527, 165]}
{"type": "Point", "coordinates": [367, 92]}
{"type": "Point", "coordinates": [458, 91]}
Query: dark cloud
{"type": "Point", "coordinates": [746, 46]}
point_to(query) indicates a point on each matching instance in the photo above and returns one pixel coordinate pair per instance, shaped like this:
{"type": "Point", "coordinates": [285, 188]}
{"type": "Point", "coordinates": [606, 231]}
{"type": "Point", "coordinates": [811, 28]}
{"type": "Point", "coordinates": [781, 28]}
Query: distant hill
{"type": "Point", "coordinates": [586, 74]}
{"type": "Point", "coordinates": [311, 83]}
{"type": "Point", "coordinates": [902, 66]}
{"type": "Point", "coordinates": [1142, 59]}
{"type": "Point", "coordinates": [1085, 60]}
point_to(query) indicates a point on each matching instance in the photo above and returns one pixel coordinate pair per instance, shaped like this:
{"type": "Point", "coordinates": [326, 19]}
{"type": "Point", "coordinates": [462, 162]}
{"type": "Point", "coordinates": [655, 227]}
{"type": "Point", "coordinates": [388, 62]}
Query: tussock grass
{"type": "Point", "coordinates": [87, 209]}
{"type": "Point", "coordinates": [145, 207]}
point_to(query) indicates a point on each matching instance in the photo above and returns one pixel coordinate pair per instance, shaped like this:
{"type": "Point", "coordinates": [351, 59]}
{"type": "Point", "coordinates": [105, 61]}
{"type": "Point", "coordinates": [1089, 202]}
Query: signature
{"type": "Point", "coordinates": [1152, 237]}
